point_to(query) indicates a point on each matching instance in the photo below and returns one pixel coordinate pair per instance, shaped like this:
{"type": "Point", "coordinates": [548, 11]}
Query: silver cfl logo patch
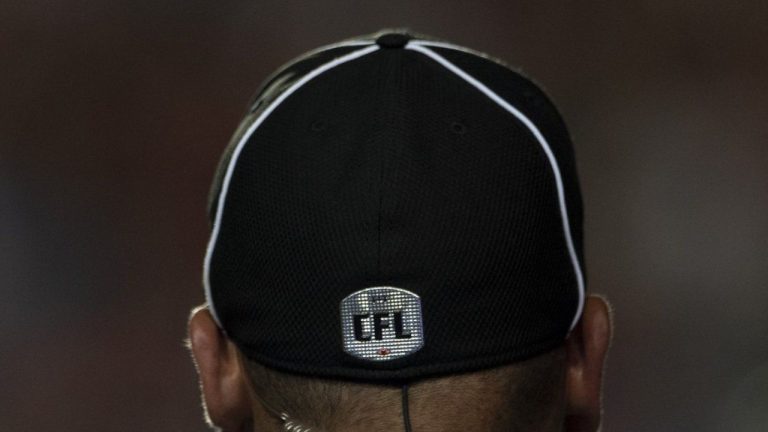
{"type": "Point", "coordinates": [381, 323]}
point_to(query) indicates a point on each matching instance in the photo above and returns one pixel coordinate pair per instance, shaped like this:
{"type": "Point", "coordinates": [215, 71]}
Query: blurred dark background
{"type": "Point", "coordinates": [113, 115]}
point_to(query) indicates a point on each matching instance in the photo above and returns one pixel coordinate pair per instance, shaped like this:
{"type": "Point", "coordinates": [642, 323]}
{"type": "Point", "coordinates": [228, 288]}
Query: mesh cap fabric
{"type": "Point", "coordinates": [394, 207]}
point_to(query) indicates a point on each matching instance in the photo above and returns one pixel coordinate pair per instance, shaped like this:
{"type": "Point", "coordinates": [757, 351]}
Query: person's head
{"type": "Point", "coordinates": [556, 391]}
{"type": "Point", "coordinates": [397, 245]}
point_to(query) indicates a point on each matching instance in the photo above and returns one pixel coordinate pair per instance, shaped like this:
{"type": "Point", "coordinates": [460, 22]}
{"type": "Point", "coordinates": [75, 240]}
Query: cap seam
{"type": "Point", "coordinates": [543, 145]}
{"type": "Point", "coordinates": [238, 149]}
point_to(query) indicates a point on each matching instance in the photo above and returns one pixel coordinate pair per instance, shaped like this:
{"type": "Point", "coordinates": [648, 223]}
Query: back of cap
{"type": "Point", "coordinates": [396, 210]}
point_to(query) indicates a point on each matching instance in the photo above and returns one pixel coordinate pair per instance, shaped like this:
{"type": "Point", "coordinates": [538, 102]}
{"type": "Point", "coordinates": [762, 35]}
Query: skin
{"type": "Point", "coordinates": [232, 406]}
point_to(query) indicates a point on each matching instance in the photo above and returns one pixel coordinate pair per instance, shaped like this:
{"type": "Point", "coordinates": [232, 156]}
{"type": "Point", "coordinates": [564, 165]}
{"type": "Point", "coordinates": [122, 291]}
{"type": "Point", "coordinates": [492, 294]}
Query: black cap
{"type": "Point", "coordinates": [392, 208]}
{"type": "Point", "coordinates": [393, 40]}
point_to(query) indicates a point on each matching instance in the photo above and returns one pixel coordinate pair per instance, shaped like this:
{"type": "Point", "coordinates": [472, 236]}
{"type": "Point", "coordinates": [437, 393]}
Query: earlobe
{"type": "Point", "coordinates": [222, 379]}
{"type": "Point", "coordinates": [586, 349]}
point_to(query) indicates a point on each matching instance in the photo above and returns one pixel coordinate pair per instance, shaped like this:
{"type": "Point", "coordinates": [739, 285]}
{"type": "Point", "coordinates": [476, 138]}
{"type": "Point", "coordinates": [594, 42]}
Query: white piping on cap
{"type": "Point", "coordinates": [236, 154]}
{"type": "Point", "coordinates": [421, 46]}
{"type": "Point", "coordinates": [439, 44]}
{"type": "Point", "coordinates": [343, 44]}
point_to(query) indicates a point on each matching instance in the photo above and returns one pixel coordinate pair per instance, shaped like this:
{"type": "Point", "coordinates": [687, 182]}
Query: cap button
{"type": "Point", "coordinates": [393, 40]}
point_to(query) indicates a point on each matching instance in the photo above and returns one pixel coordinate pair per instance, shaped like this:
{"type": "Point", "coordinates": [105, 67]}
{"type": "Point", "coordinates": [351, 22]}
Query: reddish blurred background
{"type": "Point", "coordinates": [113, 115]}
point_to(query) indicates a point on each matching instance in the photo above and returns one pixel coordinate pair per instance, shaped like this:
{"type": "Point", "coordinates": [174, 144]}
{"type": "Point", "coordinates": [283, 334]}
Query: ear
{"type": "Point", "coordinates": [586, 348]}
{"type": "Point", "coordinates": [222, 379]}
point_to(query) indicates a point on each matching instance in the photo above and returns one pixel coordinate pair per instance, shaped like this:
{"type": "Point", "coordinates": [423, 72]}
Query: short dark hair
{"type": "Point", "coordinates": [526, 395]}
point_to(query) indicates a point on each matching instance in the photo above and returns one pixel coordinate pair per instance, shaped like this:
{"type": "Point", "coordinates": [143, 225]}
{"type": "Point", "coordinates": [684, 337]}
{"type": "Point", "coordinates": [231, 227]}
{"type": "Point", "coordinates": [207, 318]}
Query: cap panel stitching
{"type": "Point", "coordinates": [236, 153]}
{"type": "Point", "coordinates": [421, 47]}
